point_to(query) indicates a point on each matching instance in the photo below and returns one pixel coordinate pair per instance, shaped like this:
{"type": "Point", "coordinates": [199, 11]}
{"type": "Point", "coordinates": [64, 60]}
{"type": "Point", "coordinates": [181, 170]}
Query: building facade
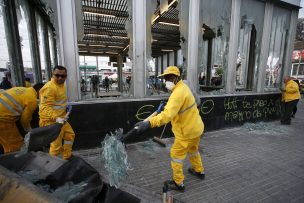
{"type": "Point", "coordinates": [234, 53]}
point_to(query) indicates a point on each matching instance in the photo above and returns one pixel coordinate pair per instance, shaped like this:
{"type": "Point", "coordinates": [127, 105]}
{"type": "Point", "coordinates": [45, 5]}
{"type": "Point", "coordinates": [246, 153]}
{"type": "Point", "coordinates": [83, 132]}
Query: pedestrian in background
{"type": "Point", "coordinates": [106, 83]}
{"type": "Point", "coordinates": [5, 84]}
{"type": "Point", "coordinates": [291, 96]}
{"type": "Point", "coordinates": [187, 127]}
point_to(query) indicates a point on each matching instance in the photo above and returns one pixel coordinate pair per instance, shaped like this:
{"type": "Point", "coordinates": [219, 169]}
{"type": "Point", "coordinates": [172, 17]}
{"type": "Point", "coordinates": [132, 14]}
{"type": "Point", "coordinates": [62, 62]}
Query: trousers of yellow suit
{"type": "Point", "coordinates": [178, 153]}
{"type": "Point", "coordinates": [66, 136]}
{"type": "Point", "coordinates": [10, 137]}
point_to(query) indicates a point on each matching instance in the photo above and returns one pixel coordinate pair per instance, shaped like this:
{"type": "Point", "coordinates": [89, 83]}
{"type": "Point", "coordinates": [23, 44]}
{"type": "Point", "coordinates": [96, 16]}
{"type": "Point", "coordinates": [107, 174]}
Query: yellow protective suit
{"type": "Point", "coordinates": [17, 103]}
{"type": "Point", "coordinates": [292, 91]}
{"type": "Point", "coordinates": [53, 102]}
{"type": "Point", "coordinates": [187, 127]}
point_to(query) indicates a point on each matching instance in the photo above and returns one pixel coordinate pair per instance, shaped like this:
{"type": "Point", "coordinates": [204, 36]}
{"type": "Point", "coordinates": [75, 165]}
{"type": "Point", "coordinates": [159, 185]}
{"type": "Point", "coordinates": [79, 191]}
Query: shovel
{"type": "Point", "coordinates": [37, 138]}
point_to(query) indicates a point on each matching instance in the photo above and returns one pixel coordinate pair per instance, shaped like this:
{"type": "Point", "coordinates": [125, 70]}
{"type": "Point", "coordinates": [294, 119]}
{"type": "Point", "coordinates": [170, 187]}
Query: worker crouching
{"type": "Point", "coordinates": [53, 108]}
{"type": "Point", "coordinates": [181, 110]}
{"type": "Point", "coordinates": [16, 105]}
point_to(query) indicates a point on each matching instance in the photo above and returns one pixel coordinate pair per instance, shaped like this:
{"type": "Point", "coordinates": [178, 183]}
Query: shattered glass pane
{"type": "Point", "coordinates": [251, 30]}
{"type": "Point", "coordinates": [24, 148]}
{"type": "Point", "coordinates": [66, 192]}
{"type": "Point", "coordinates": [69, 190]}
{"type": "Point", "coordinates": [213, 44]}
{"type": "Point", "coordinates": [264, 127]}
{"type": "Point", "coordinates": [115, 158]}
{"type": "Point", "coordinates": [149, 147]}
{"type": "Point", "coordinates": [30, 175]}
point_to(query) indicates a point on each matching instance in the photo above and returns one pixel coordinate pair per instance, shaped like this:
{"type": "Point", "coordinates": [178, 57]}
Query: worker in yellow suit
{"type": "Point", "coordinates": [187, 127]}
{"type": "Point", "coordinates": [16, 104]}
{"type": "Point", "coordinates": [291, 96]}
{"type": "Point", "coordinates": [53, 108]}
{"type": "Point", "coordinates": [28, 82]}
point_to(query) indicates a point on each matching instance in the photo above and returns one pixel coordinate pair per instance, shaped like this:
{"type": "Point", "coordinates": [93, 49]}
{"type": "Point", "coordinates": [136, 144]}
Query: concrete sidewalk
{"type": "Point", "coordinates": [264, 165]}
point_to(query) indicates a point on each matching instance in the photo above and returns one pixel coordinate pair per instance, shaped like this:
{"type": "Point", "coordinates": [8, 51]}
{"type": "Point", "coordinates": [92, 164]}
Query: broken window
{"type": "Point", "coordinates": [213, 44]}
{"type": "Point", "coordinates": [277, 47]}
{"type": "Point", "coordinates": [163, 42]}
{"type": "Point", "coordinates": [25, 41]}
{"type": "Point", "coordinates": [297, 70]}
{"type": "Point", "coordinates": [4, 58]}
{"type": "Point", "coordinates": [40, 24]}
{"type": "Point", "coordinates": [250, 36]}
{"type": "Point", "coordinates": [107, 38]}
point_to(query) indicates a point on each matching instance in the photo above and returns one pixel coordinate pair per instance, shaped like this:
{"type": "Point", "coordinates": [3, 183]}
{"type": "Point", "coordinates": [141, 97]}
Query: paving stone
{"type": "Point", "coordinates": [240, 166]}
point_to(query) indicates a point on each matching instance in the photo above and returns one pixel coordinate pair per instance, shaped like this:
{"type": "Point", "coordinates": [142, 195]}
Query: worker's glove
{"type": "Point", "coordinates": [69, 108]}
{"type": "Point", "coordinates": [61, 120]}
{"type": "Point", "coordinates": [142, 126]}
{"type": "Point", "coordinates": [161, 106]}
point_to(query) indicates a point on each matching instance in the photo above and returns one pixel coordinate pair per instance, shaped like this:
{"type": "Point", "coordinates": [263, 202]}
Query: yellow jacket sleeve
{"type": "Point", "coordinates": [27, 114]}
{"type": "Point", "coordinates": [47, 100]}
{"type": "Point", "coordinates": [171, 109]}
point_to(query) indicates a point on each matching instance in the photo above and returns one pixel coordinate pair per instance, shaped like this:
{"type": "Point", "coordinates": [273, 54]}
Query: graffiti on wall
{"type": "Point", "coordinates": [242, 108]}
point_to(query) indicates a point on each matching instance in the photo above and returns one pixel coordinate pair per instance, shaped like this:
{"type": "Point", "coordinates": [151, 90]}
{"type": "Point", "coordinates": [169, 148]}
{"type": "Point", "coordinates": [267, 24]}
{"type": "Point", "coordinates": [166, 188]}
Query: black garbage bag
{"type": "Point", "coordinates": [77, 170]}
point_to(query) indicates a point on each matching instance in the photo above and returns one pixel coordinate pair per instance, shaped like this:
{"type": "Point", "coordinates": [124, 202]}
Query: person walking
{"type": "Point", "coordinates": [181, 110]}
{"type": "Point", "coordinates": [291, 96]}
{"type": "Point", "coordinates": [106, 83]}
{"type": "Point", "coordinates": [53, 108]}
{"type": "Point", "coordinates": [16, 105]}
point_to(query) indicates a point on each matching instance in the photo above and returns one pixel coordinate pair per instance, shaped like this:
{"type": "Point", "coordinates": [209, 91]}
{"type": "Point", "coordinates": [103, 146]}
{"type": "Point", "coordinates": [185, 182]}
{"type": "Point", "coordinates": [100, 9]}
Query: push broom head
{"type": "Point", "coordinates": [159, 141]}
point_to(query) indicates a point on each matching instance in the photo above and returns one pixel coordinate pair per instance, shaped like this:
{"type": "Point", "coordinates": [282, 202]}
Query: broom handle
{"type": "Point", "coordinates": [148, 118]}
{"type": "Point", "coordinates": [152, 115]}
{"type": "Point", "coordinates": [67, 115]}
{"type": "Point", "coordinates": [163, 131]}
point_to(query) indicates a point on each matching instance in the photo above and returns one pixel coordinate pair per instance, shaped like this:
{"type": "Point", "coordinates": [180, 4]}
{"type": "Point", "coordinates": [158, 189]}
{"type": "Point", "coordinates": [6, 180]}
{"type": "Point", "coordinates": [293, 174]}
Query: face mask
{"type": "Point", "coordinates": [170, 85]}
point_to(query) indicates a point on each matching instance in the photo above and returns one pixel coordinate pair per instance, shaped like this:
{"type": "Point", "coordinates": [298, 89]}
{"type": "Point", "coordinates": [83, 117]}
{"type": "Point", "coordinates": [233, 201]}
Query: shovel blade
{"type": "Point", "coordinates": [41, 137]}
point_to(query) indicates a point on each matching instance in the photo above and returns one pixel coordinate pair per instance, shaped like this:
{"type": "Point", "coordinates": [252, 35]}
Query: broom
{"type": "Point", "coordinates": [159, 140]}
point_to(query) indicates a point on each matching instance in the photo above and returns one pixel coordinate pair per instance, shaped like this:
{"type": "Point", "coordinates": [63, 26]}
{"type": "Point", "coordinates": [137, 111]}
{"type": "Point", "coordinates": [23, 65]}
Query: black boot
{"type": "Point", "coordinates": [172, 185]}
{"type": "Point", "coordinates": [197, 174]}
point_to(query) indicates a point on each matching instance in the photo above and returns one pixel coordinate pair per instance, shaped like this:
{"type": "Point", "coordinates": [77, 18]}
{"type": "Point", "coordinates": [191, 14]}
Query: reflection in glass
{"type": "Point", "coordinates": [277, 47]}
{"type": "Point", "coordinates": [99, 76]}
{"type": "Point", "coordinates": [4, 57]}
{"type": "Point", "coordinates": [163, 48]}
{"type": "Point", "coordinates": [51, 43]}
{"type": "Point", "coordinates": [250, 36]}
{"type": "Point", "coordinates": [104, 48]}
{"type": "Point", "coordinates": [213, 44]}
{"type": "Point", "coordinates": [24, 33]}
{"type": "Point", "coordinates": [39, 23]}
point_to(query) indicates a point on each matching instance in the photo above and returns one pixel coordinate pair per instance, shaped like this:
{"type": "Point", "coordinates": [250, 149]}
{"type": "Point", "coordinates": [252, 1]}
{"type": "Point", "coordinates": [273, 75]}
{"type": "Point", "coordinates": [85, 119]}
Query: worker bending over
{"type": "Point", "coordinates": [16, 104]}
{"type": "Point", "coordinates": [187, 127]}
{"type": "Point", "coordinates": [290, 96]}
{"type": "Point", "coordinates": [53, 108]}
